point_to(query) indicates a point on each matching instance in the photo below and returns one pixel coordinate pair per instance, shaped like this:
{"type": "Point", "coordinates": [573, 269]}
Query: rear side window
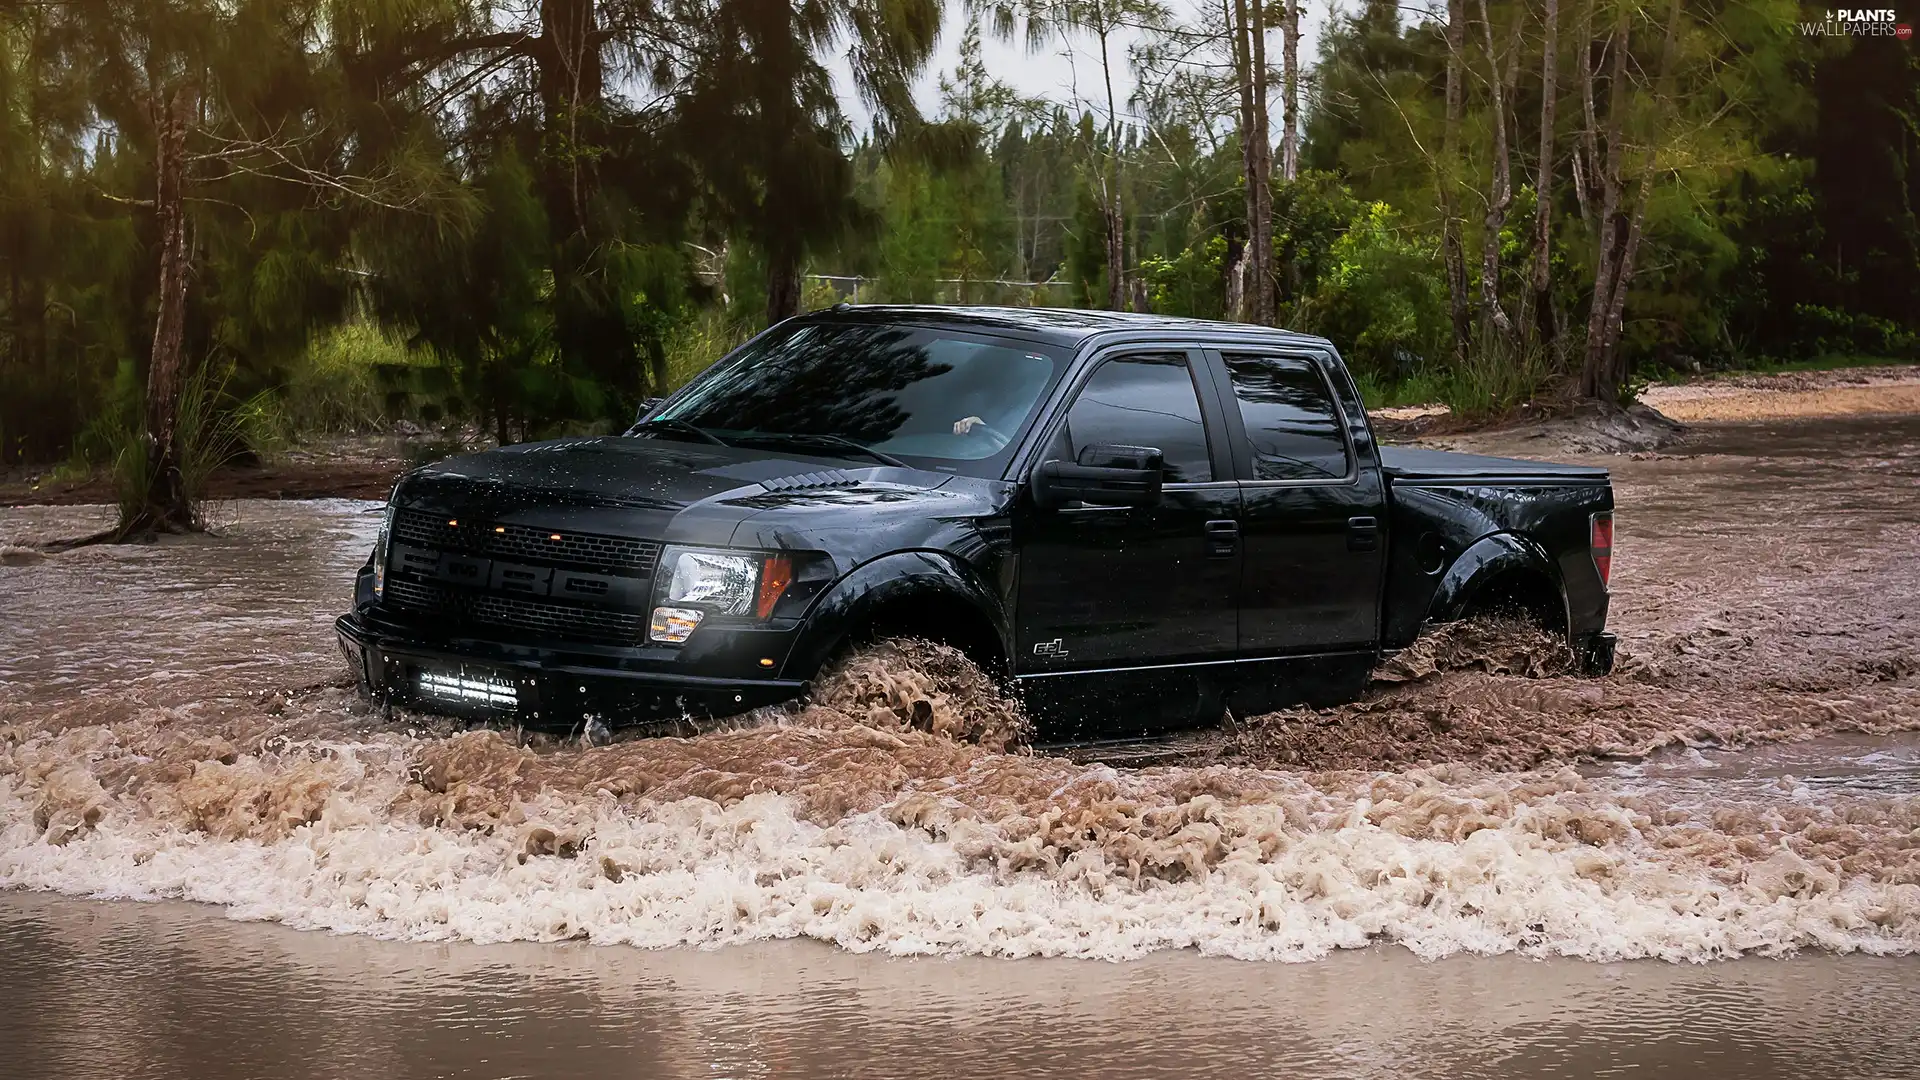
{"type": "Point", "coordinates": [1290, 418]}
{"type": "Point", "coordinates": [1144, 400]}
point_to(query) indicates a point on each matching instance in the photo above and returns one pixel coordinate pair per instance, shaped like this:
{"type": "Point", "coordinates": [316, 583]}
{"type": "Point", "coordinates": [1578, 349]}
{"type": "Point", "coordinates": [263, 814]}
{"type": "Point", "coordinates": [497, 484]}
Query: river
{"type": "Point", "coordinates": [216, 865]}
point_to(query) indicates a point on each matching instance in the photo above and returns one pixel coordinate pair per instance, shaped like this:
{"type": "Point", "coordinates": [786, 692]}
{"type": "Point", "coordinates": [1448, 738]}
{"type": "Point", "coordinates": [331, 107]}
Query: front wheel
{"type": "Point", "coordinates": [921, 685]}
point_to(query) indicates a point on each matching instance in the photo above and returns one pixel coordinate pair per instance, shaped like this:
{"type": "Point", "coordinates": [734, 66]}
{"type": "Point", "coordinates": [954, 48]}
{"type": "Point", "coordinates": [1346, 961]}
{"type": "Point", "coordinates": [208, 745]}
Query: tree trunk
{"type": "Point", "coordinates": [1452, 250]}
{"type": "Point", "coordinates": [783, 285]}
{"type": "Point", "coordinates": [1110, 206]}
{"type": "Point", "coordinates": [1256, 160]}
{"type": "Point", "coordinates": [1588, 149]}
{"type": "Point", "coordinates": [1235, 286]}
{"type": "Point", "coordinates": [1500, 189]}
{"type": "Point", "coordinates": [1596, 379]}
{"type": "Point", "coordinates": [1606, 369]}
{"type": "Point", "coordinates": [1616, 361]}
{"type": "Point", "coordinates": [1541, 325]}
{"type": "Point", "coordinates": [1290, 88]}
{"type": "Point", "coordinates": [1261, 232]}
{"type": "Point", "coordinates": [1239, 252]}
{"type": "Point", "coordinates": [169, 506]}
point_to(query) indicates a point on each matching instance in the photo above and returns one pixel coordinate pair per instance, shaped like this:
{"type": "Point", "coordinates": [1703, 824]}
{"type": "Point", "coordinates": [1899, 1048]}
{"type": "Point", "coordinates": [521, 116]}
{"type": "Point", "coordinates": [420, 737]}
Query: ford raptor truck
{"type": "Point", "coordinates": [1137, 522]}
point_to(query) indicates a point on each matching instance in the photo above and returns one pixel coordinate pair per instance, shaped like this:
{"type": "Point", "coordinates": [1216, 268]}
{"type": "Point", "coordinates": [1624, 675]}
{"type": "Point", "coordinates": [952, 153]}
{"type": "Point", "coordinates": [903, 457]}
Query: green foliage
{"type": "Point", "coordinates": [1381, 296]}
{"type": "Point", "coordinates": [914, 238]}
{"type": "Point", "coordinates": [1190, 283]}
{"type": "Point", "coordinates": [355, 377]}
{"type": "Point", "coordinates": [1310, 216]}
{"type": "Point", "coordinates": [443, 226]}
{"type": "Point", "coordinates": [1824, 331]}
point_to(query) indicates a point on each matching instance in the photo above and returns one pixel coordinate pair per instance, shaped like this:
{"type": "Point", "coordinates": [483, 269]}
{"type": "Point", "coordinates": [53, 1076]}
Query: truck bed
{"type": "Point", "coordinates": [1414, 465]}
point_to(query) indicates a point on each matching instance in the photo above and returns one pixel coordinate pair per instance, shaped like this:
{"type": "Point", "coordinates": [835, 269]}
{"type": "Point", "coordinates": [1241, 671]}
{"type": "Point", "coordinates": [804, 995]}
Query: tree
{"type": "Point", "coordinates": [970, 203]}
{"type": "Point", "coordinates": [1256, 151]}
{"type": "Point", "coordinates": [1503, 70]}
{"type": "Point", "coordinates": [1103, 20]}
{"type": "Point", "coordinates": [219, 96]}
{"type": "Point", "coordinates": [1452, 252]}
{"type": "Point", "coordinates": [759, 115]}
{"type": "Point", "coordinates": [1290, 90]}
{"type": "Point", "coordinates": [1196, 69]}
{"type": "Point", "coordinates": [1542, 325]}
{"type": "Point", "coordinates": [572, 82]}
{"type": "Point", "coordinates": [1623, 208]}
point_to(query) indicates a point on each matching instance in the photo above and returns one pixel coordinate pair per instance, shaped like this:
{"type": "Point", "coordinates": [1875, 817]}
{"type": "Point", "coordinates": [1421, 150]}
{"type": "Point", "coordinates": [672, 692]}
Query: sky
{"type": "Point", "coordinates": [1054, 73]}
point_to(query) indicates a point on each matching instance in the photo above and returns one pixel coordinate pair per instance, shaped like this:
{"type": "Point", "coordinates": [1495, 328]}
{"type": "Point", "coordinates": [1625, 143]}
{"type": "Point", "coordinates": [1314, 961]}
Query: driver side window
{"type": "Point", "coordinates": [1143, 399]}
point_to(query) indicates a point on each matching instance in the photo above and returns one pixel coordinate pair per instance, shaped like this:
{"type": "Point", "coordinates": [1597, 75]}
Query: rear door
{"type": "Point", "coordinates": [1127, 616]}
{"type": "Point", "coordinates": [1313, 525]}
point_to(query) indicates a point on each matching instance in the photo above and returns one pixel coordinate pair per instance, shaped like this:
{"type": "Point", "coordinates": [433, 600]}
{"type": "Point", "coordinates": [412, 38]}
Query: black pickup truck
{"type": "Point", "coordinates": [1138, 521]}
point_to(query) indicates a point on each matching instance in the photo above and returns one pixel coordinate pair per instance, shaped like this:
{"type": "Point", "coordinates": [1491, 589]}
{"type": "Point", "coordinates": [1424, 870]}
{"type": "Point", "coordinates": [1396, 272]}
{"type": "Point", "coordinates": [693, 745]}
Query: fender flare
{"type": "Point", "coordinates": [849, 604]}
{"type": "Point", "coordinates": [1484, 560]}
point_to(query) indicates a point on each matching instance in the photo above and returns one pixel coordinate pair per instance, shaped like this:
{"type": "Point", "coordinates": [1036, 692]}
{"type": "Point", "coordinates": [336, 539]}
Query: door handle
{"type": "Point", "coordinates": [1363, 534]}
{"type": "Point", "coordinates": [1223, 538]}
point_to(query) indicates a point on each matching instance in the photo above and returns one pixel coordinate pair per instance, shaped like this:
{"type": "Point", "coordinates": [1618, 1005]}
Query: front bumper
{"type": "Point", "coordinates": [536, 686]}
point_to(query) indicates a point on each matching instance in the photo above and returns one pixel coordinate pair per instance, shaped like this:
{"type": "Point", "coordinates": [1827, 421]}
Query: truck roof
{"type": "Point", "coordinates": [1057, 326]}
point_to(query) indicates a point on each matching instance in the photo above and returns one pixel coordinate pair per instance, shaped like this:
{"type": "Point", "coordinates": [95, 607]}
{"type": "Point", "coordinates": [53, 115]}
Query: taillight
{"type": "Point", "coordinates": [1601, 543]}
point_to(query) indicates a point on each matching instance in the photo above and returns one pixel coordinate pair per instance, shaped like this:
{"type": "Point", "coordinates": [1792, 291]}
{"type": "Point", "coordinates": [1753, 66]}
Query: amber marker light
{"type": "Point", "coordinates": [776, 573]}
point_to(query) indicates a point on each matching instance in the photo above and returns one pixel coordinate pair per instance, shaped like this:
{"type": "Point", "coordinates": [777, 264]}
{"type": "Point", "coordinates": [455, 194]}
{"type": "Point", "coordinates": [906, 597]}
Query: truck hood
{"type": "Point", "coordinates": [662, 489]}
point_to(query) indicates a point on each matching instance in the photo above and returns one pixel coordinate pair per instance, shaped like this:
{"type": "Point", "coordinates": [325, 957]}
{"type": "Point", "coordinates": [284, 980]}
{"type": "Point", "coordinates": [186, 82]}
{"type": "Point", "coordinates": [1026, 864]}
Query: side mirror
{"type": "Point", "coordinates": [646, 407]}
{"type": "Point", "coordinates": [1105, 475]}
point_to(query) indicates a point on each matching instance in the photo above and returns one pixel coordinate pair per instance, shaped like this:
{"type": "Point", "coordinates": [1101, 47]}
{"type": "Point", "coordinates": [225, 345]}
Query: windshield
{"type": "Point", "coordinates": [899, 390]}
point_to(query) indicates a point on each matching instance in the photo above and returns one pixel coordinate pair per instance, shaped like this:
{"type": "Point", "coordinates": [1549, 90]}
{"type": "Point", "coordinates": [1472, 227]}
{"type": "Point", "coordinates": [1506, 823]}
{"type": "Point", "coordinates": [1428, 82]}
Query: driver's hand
{"type": "Point", "coordinates": [961, 427]}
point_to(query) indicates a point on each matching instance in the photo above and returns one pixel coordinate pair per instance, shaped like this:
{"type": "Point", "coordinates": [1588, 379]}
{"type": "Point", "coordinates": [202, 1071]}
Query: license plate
{"type": "Point", "coordinates": [467, 686]}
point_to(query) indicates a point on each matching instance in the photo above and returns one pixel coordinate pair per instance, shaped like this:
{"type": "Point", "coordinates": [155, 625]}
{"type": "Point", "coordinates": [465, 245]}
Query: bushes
{"type": "Point", "coordinates": [1823, 331]}
{"type": "Point", "coordinates": [1382, 299]}
{"type": "Point", "coordinates": [1189, 283]}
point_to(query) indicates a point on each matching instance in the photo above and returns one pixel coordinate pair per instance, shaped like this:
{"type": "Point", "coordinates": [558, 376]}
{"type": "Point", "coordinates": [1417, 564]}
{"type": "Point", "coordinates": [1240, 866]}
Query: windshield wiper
{"type": "Point", "coordinates": [671, 424]}
{"type": "Point", "coordinates": [839, 441]}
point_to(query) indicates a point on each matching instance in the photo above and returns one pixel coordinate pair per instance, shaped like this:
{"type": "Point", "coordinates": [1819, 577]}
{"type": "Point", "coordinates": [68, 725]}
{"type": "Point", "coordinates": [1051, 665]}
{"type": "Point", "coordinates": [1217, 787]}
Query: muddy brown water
{"type": "Point", "coordinates": [1710, 861]}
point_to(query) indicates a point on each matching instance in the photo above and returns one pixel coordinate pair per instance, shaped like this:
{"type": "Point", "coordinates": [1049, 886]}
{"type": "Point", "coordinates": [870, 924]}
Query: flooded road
{"type": "Point", "coordinates": [1482, 871]}
{"type": "Point", "coordinates": [170, 991]}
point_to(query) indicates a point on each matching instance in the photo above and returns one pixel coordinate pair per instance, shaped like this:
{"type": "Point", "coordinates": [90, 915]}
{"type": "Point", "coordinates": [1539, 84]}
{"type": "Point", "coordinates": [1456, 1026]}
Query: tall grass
{"type": "Point", "coordinates": [697, 341]}
{"type": "Point", "coordinates": [352, 378]}
{"type": "Point", "coordinates": [211, 429]}
{"type": "Point", "coordinates": [1494, 379]}
{"type": "Point", "coordinates": [1497, 375]}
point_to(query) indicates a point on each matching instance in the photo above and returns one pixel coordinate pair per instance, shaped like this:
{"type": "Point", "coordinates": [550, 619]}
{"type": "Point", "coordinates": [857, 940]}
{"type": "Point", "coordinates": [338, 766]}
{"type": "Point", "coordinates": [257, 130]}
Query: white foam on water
{"type": "Point", "coordinates": [693, 872]}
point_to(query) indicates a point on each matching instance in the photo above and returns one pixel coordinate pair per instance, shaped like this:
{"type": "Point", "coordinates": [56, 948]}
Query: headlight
{"type": "Point", "coordinates": [380, 553]}
{"type": "Point", "coordinates": [723, 583]}
{"type": "Point", "coordinates": [697, 583]}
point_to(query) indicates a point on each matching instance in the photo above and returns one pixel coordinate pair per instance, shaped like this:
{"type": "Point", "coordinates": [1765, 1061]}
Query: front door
{"type": "Point", "coordinates": [1126, 617]}
{"type": "Point", "coordinates": [1313, 522]}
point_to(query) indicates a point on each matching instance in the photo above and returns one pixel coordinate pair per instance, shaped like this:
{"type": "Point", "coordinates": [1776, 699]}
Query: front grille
{"type": "Point", "coordinates": [584, 551]}
{"type": "Point", "coordinates": [459, 607]}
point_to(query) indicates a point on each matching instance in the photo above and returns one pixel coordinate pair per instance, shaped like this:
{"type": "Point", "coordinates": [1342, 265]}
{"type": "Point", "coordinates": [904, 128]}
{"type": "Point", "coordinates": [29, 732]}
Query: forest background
{"type": "Point", "coordinates": [240, 223]}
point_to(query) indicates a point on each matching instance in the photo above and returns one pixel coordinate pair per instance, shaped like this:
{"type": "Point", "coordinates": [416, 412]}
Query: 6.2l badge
{"type": "Point", "coordinates": [1049, 648]}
